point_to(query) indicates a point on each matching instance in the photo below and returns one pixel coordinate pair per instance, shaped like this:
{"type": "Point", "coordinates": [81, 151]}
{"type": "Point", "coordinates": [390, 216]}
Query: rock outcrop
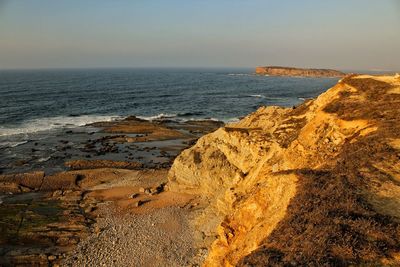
{"type": "Point", "coordinates": [315, 185]}
{"type": "Point", "coordinates": [297, 72]}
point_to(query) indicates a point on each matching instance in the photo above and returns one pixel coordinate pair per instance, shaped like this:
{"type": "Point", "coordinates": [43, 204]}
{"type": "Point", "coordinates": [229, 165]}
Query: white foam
{"type": "Point", "coordinates": [202, 119]}
{"type": "Point", "coordinates": [43, 159]}
{"type": "Point", "coordinates": [269, 98]}
{"type": "Point", "coordinates": [46, 124]}
{"type": "Point", "coordinates": [259, 96]}
{"type": "Point", "coordinates": [212, 119]}
{"type": "Point", "coordinates": [157, 117]}
{"type": "Point", "coordinates": [224, 120]}
{"type": "Point", "coordinates": [231, 120]}
{"type": "Point", "coordinates": [239, 74]}
{"type": "Point", "coordinates": [12, 144]}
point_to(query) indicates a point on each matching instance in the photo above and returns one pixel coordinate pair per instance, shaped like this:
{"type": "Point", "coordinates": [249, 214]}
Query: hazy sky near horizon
{"type": "Point", "coordinates": [343, 34]}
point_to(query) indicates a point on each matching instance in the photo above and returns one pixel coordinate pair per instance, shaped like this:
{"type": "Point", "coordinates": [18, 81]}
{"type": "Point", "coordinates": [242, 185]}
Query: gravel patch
{"type": "Point", "coordinates": [162, 237]}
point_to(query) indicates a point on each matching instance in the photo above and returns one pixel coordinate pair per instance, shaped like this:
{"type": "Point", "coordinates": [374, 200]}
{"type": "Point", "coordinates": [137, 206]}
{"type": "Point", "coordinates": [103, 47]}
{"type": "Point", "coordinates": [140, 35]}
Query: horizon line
{"type": "Point", "coordinates": [348, 70]}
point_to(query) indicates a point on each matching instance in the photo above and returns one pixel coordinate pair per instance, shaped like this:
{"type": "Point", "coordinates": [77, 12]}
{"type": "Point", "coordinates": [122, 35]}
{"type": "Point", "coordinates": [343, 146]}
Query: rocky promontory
{"type": "Point", "coordinates": [314, 185]}
{"type": "Point", "coordinates": [298, 72]}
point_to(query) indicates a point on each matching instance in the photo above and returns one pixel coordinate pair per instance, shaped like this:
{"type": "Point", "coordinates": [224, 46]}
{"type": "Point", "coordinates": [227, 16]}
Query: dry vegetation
{"type": "Point", "coordinates": [328, 223]}
{"type": "Point", "coordinates": [331, 221]}
{"type": "Point", "coordinates": [316, 185]}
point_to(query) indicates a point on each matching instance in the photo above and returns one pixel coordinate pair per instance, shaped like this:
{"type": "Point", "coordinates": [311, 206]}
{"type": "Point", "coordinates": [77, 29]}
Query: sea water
{"type": "Point", "coordinates": [35, 103]}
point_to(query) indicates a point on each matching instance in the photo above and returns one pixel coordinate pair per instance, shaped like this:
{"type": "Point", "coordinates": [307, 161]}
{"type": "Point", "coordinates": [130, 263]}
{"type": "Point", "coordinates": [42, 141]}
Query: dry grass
{"type": "Point", "coordinates": [330, 222]}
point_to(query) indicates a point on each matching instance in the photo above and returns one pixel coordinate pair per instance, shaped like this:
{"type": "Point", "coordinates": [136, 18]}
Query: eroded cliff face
{"type": "Point", "coordinates": [317, 184]}
{"type": "Point", "coordinates": [288, 71]}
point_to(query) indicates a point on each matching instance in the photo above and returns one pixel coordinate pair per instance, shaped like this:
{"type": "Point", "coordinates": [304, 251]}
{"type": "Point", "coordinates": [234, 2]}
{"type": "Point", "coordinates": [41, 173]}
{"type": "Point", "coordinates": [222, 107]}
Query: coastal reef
{"type": "Point", "coordinates": [98, 199]}
{"type": "Point", "coordinates": [298, 72]}
{"type": "Point", "coordinates": [313, 185]}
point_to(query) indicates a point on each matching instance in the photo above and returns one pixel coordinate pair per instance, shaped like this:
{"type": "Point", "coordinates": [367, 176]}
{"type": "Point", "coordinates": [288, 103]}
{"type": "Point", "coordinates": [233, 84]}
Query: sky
{"type": "Point", "coordinates": [341, 34]}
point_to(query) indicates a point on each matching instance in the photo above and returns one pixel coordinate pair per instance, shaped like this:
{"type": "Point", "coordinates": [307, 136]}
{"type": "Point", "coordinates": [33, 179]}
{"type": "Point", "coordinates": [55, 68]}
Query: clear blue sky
{"type": "Point", "coordinates": [344, 34]}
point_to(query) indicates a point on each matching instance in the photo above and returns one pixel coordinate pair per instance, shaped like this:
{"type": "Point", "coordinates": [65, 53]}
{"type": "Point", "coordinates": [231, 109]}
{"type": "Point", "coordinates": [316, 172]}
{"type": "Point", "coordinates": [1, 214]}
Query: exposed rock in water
{"type": "Point", "coordinates": [318, 185]}
{"type": "Point", "coordinates": [288, 71]}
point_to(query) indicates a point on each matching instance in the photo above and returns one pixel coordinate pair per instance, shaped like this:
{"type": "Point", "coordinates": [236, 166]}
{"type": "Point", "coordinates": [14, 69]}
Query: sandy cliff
{"type": "Point", "coordinates": [287, 71]}
{"type": "Point", "coordinates": [315, 185]}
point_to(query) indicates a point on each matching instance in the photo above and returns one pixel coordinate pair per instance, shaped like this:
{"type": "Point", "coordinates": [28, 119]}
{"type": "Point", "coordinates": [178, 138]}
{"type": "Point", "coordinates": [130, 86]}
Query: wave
{"type": "Point", "coordinates": [12, 143]}
{"type": "Point", "coordinates": [231, 120]}
{"type": "Point", "coordinates": [240, 74]}
{"type": "Point", "coordinates": [43, 159]}
{"type": "Point", "coordinates": [60, 122]}
{"type": "Point", "coordinates": [259, 96]}
{"type": "Point", "coordinates": [174, 116]}
{"type": "Point", "coordinates": [157, 117]}
{"type": "Point", "coordinates": [50, 123]}
{"type": "Point", "coordinates": [187, 117]}
{"type": "Point", "coordinates": [269, 98]}
{"type": "Point", "coordinates": [203, 119]}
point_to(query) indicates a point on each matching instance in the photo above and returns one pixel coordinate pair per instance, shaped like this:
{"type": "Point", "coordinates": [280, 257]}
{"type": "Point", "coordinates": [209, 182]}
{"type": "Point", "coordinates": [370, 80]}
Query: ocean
{"type": "Point", "coordinates": [41, 100]}
{"type": "Point", "coordinates": [41, 109]}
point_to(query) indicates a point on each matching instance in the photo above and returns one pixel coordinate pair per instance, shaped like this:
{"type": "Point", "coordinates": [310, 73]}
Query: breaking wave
{"type": "Point", "coordinates": [158, 117]}
{"type": "Point", "coordinates": [268, 97]}
{"type": "Point", "coordinates": [50, 123]}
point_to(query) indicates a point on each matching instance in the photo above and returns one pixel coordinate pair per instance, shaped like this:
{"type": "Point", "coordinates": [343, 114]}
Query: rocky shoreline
{"type": "Point", "coordinates": [312, 185]}
{"type": "Point", "coordinates": [148, 144]}
{"type": "Point", "coordinates": [111, 176]}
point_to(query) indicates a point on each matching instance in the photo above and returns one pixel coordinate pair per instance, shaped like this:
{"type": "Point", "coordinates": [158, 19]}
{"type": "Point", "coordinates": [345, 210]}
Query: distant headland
{"type": "Point", "coordinates": [299, 72]}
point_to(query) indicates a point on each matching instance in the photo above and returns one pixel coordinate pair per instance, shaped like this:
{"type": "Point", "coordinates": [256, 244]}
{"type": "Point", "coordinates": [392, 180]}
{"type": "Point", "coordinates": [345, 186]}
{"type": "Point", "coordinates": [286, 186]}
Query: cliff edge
{"type": "Point", "coordinates": [314, 185]}
{"type": "Point", "coordinates": [297, 72]}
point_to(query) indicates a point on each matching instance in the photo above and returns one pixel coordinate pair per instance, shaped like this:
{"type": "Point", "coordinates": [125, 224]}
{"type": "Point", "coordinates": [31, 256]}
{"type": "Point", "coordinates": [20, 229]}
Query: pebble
{"type": "Point", "coordinates": [57, 193]}
{"type": "Point", "coordinates": [153, 191]}
{"type": "Point", "coordinates": [134, 195]}
{"type": "Point", "coordinates": [138, 203]}
{"type": "Point", "coordinates": [89, 209]}
{"type": "Point", "coordinates": [52, 258]}
{"type": "Point", "coordinates": [139, 241]}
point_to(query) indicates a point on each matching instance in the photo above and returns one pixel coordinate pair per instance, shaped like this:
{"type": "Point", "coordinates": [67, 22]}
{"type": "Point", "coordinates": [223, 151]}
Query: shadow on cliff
{"type": "Point", "coordinates": [330, 221]}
